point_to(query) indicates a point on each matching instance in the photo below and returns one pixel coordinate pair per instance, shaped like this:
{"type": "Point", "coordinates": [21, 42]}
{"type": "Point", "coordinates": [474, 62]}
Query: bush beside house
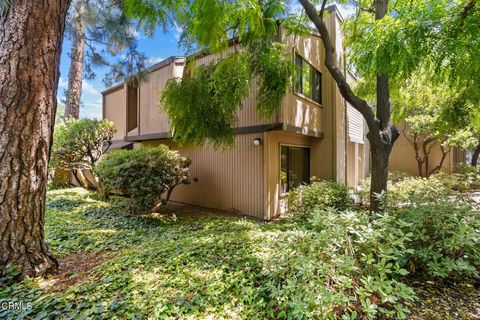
{"type": "Point", "coordinates": [147, 175]}
{"type": "Point", "coordinates": [319, 194]}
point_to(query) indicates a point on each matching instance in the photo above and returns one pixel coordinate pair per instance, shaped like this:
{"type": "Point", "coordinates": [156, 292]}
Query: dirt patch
{"type": "Point", "coordinates": [73, 269]}
{"type": "Point", "coordinates": [440, 300]}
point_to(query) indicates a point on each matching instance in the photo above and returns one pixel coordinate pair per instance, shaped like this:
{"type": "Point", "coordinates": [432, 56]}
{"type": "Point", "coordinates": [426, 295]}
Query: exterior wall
{"type": "Point", "coordinates": [246, 178]}
{"type": "Point", "coordinates": [115, 110]}
{"type": "Point", "coordinates": [403, 159]}
{"type": "Point", "coordinates": [296, 109]}
{"type": "Point", "coordinates": [272, 142]}
{"type": "Point", "coordinates": [355, 171]}
{"type": "Point", "coordinates": [230, 179]}
{"type": "Point", "coordinates": [151, 118]}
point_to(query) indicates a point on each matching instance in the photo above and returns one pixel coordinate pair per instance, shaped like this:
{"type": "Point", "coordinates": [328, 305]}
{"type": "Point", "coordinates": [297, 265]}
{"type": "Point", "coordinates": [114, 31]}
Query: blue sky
{"type": "Point", "coordinates": [161, 46]}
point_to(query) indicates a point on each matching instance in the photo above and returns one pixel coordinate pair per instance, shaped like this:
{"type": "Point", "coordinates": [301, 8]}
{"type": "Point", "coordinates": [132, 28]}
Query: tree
{"type": "Point", "coordinates": [431, 112]}
{"type": "Point", "coordinates": [213, 27]}
{"type": "Point", "coordinates": [79, 144]}
{"type": "Point", "coordinates": [95, 24]}
{"type": "Point", "coordinates": [450, 40]}
{"type": "Point", "coordinates": [31, 34]}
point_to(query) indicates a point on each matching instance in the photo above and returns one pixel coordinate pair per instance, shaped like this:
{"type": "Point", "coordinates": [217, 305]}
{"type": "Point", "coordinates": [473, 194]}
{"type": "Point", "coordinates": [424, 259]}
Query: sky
{"type": "Point", "coordinates": [158, 48]}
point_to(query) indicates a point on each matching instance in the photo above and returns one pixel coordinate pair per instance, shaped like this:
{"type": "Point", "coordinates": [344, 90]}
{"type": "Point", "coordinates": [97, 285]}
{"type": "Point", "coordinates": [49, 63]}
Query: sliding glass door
{"type": "Point", "coordinates": [295, 167]}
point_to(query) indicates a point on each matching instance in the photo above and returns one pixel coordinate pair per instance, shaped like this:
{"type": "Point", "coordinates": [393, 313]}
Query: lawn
{"type": "Point", "coordinates": [189, 266]}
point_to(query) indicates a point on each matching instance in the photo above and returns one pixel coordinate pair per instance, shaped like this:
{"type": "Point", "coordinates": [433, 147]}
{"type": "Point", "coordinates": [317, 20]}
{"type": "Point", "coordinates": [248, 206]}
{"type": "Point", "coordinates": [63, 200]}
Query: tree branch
{"type": "Point", "coordinates": [337, 74]}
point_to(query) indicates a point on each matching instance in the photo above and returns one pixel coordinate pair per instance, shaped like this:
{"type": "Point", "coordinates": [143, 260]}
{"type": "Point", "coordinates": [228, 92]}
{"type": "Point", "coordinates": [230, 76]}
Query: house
{"type": "Point", "coordinates": [402, 157]}
{"type": "Point", "coordinates": [314, 133]}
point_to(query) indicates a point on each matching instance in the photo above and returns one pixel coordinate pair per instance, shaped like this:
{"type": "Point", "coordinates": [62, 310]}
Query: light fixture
{"type": "Point", "coordinates": [257, 141]}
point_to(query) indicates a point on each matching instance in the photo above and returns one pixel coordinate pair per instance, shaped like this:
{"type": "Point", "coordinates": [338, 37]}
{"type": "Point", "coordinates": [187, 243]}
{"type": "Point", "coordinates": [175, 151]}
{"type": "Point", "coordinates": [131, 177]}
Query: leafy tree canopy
{"type": "Point", "coordinates": [203, 105]}
{"type": "Point", "coordinates": [79, 144]}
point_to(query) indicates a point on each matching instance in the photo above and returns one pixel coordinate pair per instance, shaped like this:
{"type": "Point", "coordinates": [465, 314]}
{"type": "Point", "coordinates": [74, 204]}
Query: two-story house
{"type": "Point", "coordinates": [314, 133]}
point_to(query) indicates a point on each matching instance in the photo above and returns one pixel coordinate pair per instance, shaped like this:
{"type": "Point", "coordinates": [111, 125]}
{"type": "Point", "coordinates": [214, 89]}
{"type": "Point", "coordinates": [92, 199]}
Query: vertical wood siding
{"type": "Point", "coordinates": [230, 179]}
{"type": "Point", "coordinates": [152, 119]}
{"type": "Point", "coordinates": [403, 159]}
{"type": "Point", "coordinates": [115, 111]}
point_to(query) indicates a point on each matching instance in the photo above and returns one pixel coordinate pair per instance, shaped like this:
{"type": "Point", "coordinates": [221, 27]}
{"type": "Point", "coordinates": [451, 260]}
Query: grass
{"type": "Point", "coordinates": [119, 266]}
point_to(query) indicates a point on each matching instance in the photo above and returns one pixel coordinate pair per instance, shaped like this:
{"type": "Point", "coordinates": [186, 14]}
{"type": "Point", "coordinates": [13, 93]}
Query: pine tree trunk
{"type": "Point", "coordinates": [475, 155]}
{"type": "Point", "coordinates": [31, 34]}
{"type": "Point", "coordinates": [75, 76]}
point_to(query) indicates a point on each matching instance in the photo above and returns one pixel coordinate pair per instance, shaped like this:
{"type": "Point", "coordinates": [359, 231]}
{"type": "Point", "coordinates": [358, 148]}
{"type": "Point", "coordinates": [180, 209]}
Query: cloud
{"type": "Point", "coordinates": [154, 60]}
{"type": "Point", "coordinates": [177, 31]}
{"type": "Point", "coordinates": [91, 109]}
{"type": "Point", "coordinates": [89, 88]}
{"type": "Point", "coordinates": [62, 83]}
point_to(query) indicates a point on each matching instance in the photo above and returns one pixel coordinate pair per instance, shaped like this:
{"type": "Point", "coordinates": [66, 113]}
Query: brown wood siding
{"type": "Point", "coordinates": [403, 159]}
{"type": "Point", "coordinates": [152, 118]}
{"type": "Point", "coordinates": [295, 109]}
{"type": "Point", "coordinates": [115, 110]}
{"type": "Point", "coordinates": [230, 179]}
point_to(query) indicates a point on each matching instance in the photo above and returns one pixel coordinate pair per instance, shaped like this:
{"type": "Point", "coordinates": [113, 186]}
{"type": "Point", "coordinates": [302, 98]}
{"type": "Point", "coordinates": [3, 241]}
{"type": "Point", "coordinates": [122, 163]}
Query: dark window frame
{"type": "Point", "coordinates": [308, 164]}
{"type": "Point", "coordinates": [299, 81]}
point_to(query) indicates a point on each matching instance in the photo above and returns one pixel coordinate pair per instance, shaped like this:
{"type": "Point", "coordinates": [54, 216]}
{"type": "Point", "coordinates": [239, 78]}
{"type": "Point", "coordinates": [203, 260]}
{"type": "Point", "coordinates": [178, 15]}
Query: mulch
{"type": "Point", "coordinates": [445, 300]}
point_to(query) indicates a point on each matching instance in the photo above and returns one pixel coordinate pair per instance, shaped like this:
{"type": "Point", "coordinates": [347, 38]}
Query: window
{"type": "Point", "coordinates": [308, 80]}
{"type": "Point", "coordinates": [295, 167]}
{"type": "Point", "coordinates": [132, 105]}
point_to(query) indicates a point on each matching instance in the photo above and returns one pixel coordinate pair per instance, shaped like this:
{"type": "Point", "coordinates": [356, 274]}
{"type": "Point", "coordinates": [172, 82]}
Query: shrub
{"type": "Point", "coordinates": [342, 267]}
{"type": "Point", "coordinates": [318, 195]}
{"type": "Point", "coordinates": [79, 144]}
{"type": "Point", "coordinates": [147, 175]}
{"type": "Point", "coordinates": [446, 237]}
{"type": "Point", "coordinates": [411, 190]}
{"type": "Point", "coordinates": [417, 190]}
{"type": "Point", "coordinates": [465, 179]}
{"type": "Point", "coordinates": [397, 176]}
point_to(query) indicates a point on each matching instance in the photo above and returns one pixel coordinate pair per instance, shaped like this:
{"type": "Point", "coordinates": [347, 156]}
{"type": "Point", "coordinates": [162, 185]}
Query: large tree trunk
{"type": "Point", "coordinates": [379, 175]}
{"type": "Point", "coordinates": [31, 34]}
{"type": "Point", "coordinates": [475, 155]}
{"type": "Point", "coordinates": [75, 76]}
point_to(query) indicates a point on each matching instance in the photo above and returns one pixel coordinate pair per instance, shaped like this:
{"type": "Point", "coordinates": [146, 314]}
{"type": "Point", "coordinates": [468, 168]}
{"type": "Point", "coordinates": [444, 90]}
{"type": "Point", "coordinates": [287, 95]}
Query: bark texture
{"type": "Point", "coordinates": [382, 133]}
{"type": "Point", "coordinates": [31, 34]}
{"type": "Point", "coordinates": [75, 75]}
{"type": "Point", "coordinates": [475, 155]}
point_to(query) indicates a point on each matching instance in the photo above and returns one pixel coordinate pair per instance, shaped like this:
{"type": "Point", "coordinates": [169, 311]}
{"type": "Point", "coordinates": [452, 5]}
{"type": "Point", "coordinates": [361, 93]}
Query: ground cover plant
{"type": "Point", "coordinates": [335, 264]}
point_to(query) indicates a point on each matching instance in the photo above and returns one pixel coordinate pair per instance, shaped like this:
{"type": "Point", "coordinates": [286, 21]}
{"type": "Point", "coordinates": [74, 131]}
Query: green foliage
{"type": "Point", "coordinates": [274, 70]}
{"type": "Point", "coordinates": [78, 144]}
{"type": "Point", "coordinates": [446, 237]}
{"type": "Point", "coordinates": [342, 267]}
{"type": "Point", "coordinates": [202, 106]}
{"type": "Point", "coordinates": [147, 175]}
{"type": "Point", "coordinates": [318, 195]}
{"type": "Point", "coordinates": [336, 265]}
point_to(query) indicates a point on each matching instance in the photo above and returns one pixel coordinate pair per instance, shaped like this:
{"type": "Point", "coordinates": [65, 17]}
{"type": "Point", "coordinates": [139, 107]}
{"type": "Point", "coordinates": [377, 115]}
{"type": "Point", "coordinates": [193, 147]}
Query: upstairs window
{"type": "Point", "coordinates": [308, 80]}
{"type": "Point", "coordinates": [132, 105]}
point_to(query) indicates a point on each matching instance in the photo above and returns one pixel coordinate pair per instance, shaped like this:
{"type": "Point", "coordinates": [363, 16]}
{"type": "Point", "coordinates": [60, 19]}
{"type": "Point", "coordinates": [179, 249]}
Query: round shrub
{"type": "Point", "coordinates": [317, 196]}
{"type": "Point", "coordinates": [147, 175]}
